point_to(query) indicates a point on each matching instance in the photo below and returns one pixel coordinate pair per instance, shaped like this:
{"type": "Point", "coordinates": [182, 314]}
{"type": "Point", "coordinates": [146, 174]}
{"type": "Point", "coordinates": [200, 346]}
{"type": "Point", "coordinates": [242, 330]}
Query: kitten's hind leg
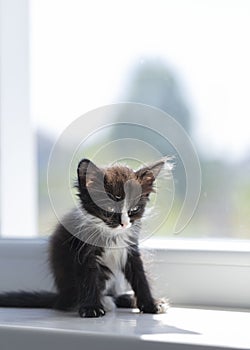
{"type": "Point", "coordinates": [126, 300]}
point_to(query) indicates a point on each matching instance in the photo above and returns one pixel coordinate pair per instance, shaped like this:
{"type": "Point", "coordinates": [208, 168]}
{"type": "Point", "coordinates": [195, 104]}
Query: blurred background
{"type": "Point", "coordinates": [189, 58]}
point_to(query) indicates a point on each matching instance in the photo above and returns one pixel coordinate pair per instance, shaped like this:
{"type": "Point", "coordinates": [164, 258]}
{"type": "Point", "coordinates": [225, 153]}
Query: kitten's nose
{"type": "Point", "coordinates": [125, 222]}
{"type": "Point", "coordinates": [126, 225]}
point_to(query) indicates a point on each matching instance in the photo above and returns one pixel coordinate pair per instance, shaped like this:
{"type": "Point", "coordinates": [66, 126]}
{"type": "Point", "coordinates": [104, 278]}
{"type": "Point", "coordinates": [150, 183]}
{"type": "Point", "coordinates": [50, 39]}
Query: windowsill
{"type": "Point", "coordinates": [180, 328]}
{"type": "Point", "coordinates": [189, 273]}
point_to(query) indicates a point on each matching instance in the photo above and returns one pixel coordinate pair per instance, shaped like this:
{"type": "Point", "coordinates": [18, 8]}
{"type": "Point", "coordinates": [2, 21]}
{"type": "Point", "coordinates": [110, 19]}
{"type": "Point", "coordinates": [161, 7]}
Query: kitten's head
{"type": "Point", "coordinates": [117, 194]}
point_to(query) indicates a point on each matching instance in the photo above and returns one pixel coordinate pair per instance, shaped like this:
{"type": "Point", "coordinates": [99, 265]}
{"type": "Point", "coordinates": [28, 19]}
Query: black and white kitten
{"type": "Point", "coordinates": [94, 252]}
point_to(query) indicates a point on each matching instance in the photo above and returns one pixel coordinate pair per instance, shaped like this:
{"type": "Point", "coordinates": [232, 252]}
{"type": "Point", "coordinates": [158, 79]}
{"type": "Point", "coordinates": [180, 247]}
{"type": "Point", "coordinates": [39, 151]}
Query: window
{"type": "Point", "coordinates": [200, 77]}
{"type": "Point", "coordinates": [173, 60]}
{"type": "Point", "coordinates": [193, 77]}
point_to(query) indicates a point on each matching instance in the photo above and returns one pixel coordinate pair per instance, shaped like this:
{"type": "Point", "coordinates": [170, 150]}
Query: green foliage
{"type": "Point", "coordinates": [223, 209]}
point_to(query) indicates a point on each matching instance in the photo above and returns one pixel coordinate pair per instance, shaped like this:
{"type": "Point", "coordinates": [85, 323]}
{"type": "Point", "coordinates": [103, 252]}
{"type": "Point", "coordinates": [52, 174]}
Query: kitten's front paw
{"type": "Point", "coordinates": [161, 306]}
{"type": "Point", "coordinates": [86, 311]}
{"type": "Point", "coordinates": [158, 307]}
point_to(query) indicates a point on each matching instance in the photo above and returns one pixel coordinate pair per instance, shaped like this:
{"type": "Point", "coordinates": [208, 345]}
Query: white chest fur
{"type": "Point", "coordinates": [114, 258]}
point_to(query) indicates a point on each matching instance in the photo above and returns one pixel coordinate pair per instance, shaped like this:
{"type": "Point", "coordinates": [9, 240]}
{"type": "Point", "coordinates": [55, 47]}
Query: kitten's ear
{"type": "Point", "coordinates": [149, 173]}
{"type": "Point", "coordinates": [88, 174]}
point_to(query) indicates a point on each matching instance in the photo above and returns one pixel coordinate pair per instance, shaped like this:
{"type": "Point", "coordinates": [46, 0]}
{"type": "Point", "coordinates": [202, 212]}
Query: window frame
{"type": "Point", "coordinates": [17, 140]}
{"type": "Point", "coordinates": [190, 273]}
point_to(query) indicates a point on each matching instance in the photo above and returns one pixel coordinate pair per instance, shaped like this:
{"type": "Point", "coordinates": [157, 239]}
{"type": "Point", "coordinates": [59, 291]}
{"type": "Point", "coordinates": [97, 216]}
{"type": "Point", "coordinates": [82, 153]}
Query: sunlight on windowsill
{"type": "Point", "coordinates": [199, 327]}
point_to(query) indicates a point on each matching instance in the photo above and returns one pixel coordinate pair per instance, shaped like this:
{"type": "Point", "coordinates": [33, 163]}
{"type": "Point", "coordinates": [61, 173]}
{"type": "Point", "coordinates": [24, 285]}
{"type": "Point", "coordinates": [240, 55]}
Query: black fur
{"type": "Point", "coordinates": [41, 299]}
{"type": "Point", "coordinates": [126, 301]}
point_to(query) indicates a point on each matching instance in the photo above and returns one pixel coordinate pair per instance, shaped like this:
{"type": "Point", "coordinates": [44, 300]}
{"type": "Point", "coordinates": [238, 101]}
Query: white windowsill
{"type": "Point", "coordinates": [214, 274]}
{"type": "Point", "coordinates": [178, 329]}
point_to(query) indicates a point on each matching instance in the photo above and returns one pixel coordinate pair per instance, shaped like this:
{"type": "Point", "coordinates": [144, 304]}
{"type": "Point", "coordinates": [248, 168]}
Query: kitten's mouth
{"type": "Point", "coordinates": [119, 227]}
{"type": "Point", "coordinates": [124, 226]}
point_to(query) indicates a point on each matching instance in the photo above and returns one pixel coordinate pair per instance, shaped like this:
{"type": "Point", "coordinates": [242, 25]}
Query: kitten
{"type": "Point", "coordinates": [94, 252]}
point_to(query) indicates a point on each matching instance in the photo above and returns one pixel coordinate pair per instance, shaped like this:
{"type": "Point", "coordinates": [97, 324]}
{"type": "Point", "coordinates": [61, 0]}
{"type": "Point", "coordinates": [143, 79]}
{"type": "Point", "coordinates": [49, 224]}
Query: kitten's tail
{"type": "Point", "coordinates": [43, 299]}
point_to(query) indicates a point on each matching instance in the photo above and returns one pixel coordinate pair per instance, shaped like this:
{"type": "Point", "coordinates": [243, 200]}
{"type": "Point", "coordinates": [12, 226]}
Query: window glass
{"type": "Point", "coordinates": [187, 58]}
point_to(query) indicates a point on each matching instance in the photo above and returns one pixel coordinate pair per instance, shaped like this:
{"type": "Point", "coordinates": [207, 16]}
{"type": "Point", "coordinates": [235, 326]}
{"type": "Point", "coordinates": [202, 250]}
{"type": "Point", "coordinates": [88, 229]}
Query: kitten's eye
{"type": "Point", "coordinates": [134, 210]}
{"type": "Point", "coordinates": [111, 209]}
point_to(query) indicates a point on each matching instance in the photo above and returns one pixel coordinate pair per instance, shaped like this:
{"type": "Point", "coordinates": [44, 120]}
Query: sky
{"type": "Point", "coordinates": [83, 54]}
